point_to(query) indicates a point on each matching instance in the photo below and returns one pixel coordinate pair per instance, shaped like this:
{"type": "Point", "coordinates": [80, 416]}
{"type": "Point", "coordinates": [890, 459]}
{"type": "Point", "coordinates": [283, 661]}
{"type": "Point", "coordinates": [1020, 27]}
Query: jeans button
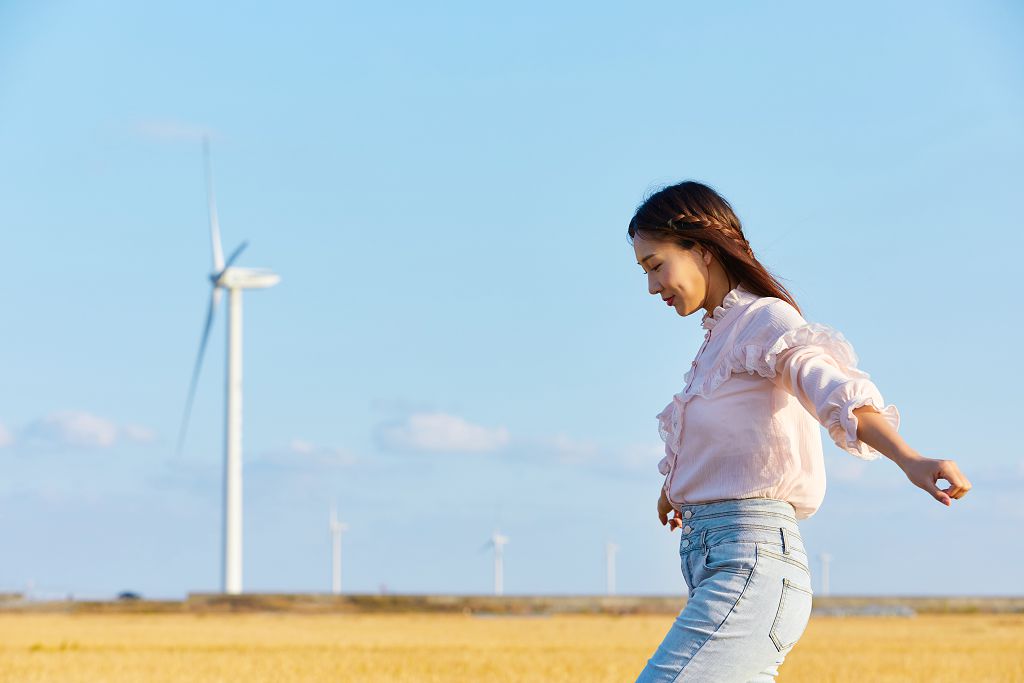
{"type": "Point", "coordinates": [687, 529]}
{"type": "Point", "coordinates": [687, 514]}
{"type": "Point", "coordinates": [685, 543]}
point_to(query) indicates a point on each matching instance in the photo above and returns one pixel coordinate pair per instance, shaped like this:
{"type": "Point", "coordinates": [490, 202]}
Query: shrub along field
{"type": "Point", "coordinates": [372, 648]}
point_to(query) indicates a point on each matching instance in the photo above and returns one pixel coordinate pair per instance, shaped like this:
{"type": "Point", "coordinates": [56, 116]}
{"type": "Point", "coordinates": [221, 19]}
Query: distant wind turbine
{"type": "Point", "coordinates": [498, 543]}
{"type": "Point", "coordinates": [337, 529]}
{"type": "Point", "coordinates": [825, 559]}
{"type": "Point", "coordinates": [609, 565]}
{"type": "Point", "coordinates": [233, 279]}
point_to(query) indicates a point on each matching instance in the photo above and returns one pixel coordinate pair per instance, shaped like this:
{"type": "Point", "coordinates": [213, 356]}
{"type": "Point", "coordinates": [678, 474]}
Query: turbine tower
{"type": "Point", "coordinates": [337, 529]}
{"type": "Point", "coordinates": [498, 543]}
{"type": "Point", "coordinates": [609, 566]}
{"type": "Point", "coordinates": [234, 280]}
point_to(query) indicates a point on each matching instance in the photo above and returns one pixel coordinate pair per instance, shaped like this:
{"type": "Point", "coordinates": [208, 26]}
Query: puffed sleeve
{"type": "Point", "coordinates": [815, 363]}
{"type": "Point", "coordinates": [831, 392]}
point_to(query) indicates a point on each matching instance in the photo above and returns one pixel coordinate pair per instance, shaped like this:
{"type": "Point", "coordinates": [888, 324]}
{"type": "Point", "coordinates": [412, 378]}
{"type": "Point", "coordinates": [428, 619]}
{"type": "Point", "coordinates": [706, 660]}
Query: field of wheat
{"type": "Point", "coordinates": [203, 648]}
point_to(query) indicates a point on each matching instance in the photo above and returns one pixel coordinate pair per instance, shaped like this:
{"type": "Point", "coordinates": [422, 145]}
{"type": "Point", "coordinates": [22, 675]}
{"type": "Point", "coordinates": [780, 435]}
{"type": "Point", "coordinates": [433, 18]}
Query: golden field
{"type": "Point", "coordinates": [99, 648]}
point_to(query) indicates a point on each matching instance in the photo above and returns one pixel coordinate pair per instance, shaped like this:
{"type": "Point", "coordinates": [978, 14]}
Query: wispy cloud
{"type": "Point", "coordinates": [325, 455]}
{"type": "Point", "coordinates": [571, 451]}
{"type": "Point", "coordinates": [441, 432]}
{"type": "Point", "coordinates": [81, 429]}
{"type": "Point", "coordinates": [6, 438]}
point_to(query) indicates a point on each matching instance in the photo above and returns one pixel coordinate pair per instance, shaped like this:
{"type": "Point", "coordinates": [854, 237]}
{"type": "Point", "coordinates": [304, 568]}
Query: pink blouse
{"type": "Point", "coordinates": [746, 424]}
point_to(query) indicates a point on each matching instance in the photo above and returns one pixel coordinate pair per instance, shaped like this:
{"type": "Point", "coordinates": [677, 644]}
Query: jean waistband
{"type": "Point", "coordinates": [757, 511]}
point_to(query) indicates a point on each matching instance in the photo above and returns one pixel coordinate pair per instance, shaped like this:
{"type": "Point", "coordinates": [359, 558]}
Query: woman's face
{"type": "Point", "coordinates": [677, 275]}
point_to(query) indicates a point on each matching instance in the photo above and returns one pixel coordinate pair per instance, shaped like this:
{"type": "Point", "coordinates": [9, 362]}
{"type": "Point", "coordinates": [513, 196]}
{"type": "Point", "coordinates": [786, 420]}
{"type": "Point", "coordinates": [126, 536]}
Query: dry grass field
{"type": "Point", "coordinates": [100, 648]}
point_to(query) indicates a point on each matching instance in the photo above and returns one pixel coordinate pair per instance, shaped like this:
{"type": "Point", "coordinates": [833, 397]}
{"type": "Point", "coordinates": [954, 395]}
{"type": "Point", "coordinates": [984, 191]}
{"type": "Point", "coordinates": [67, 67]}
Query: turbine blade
{"type": "Point", "coordinates": [214, 300]}
{"type": "Point", "coordinates": [218, 251]}
{"type": "Point", "coordinates": [231, 259]}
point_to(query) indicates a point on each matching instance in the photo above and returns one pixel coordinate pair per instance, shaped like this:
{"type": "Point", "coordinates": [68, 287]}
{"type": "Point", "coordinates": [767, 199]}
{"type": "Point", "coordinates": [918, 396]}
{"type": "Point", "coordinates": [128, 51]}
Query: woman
{"type": "Point", "coordinates": [743, 454]}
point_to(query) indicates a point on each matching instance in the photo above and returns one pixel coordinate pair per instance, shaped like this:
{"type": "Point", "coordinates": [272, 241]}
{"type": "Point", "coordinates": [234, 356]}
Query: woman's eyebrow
{"type": "Point", "coordinates": [641, 261]}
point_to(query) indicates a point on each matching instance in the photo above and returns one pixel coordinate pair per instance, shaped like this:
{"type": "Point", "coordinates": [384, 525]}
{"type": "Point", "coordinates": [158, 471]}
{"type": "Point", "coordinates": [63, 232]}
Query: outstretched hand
{"type": "Point", "coordinates": [664, 508]}
{"type": "Point", "coordinates": [926, 472]}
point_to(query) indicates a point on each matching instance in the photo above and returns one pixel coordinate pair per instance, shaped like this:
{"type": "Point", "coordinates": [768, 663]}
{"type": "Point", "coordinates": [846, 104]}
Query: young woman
{"type": "Point", "coordinates": [743, 453]}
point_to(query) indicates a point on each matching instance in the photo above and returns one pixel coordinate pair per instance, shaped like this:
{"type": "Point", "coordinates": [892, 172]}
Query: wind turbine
{"type": "Point", "coordinates": [337, 529]}
{"type": "Point", "coordinates": [498, 543]}
{"type": "Point", "coordinates": [609, 565]}
{"type": "Point", "coordinates": [234, 280]}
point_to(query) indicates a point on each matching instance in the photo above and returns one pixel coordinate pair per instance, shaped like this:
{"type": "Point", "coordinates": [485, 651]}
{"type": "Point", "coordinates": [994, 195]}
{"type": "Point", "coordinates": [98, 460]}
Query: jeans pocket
{"type": "Point", "coordinates": [792, 616]}
{"type": "Point", "coordinates": [738, 557]}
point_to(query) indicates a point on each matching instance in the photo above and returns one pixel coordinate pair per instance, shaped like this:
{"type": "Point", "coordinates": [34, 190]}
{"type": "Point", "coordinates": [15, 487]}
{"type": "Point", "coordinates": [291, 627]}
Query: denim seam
{"type": "Point", "coordinates": [699, 546]}
{"type": "Point", "coordinates": [787, 585]}
{"type": "Point", "coordinates": [775, 555]}
{"type": "Point", "coordinates": [725, 527]}
{"type": "Point", "coordinates": [743, 513]}
{"type": "Point", "coordinates": [743, 592]}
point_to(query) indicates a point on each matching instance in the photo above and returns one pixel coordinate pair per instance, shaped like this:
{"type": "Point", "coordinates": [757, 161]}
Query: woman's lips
{"type": "Point", "coordinates": [670, 300]}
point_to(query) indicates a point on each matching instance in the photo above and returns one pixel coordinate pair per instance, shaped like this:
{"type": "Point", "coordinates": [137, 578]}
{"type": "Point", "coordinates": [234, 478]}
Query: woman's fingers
{"type": "Point", "coordinates": [676, 522]}
{"type": "Point", "coordinates": [959, 485]}
{"type": "Point", "coordinates": [927, 473]}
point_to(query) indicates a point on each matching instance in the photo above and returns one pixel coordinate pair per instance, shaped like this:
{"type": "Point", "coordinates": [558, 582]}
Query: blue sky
{"type": "Point", "coordinates": [462, 339]}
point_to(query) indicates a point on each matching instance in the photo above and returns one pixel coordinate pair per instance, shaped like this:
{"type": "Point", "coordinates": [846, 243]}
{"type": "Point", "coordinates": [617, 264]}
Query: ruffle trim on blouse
{"type": "Point", "coordinates": [842, 426]}
{"type": "Point", "coordinates": [761, 358]}
{"type": "Point", "coordinates": [668, 421]}
{"type": "Point", "coordinates": [728, 301]}
{"type": "Point", "coordinates": [755, 358]}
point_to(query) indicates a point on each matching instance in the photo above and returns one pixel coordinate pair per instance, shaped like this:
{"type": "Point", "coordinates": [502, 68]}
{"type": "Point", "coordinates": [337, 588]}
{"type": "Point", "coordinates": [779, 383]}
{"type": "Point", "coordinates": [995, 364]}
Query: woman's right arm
{"type": "Point", "coordinates": [875, 431]}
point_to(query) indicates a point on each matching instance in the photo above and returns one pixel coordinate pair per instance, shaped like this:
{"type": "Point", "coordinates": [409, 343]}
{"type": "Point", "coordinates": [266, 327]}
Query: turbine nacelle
{"type": "Point", "coordinates": [245, 278]}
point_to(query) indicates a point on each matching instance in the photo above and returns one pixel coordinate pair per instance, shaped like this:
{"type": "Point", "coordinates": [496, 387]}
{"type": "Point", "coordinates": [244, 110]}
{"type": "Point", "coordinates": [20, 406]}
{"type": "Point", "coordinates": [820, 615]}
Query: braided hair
{"type": "Point", "coordinates": [691, 213]}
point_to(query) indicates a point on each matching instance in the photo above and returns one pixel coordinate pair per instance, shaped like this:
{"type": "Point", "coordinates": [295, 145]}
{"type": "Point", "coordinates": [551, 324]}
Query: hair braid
{"type": "Point", "coordinates": [691, 213]}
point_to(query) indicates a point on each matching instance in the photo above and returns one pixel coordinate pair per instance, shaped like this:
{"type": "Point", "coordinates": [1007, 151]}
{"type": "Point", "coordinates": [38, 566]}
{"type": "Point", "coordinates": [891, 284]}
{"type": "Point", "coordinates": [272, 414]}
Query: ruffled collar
{"type": "Point", "coordinates": [736, 295]}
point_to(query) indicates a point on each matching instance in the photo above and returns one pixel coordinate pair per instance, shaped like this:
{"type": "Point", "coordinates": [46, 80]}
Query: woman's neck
{"type": "Point", "coordinates": [719, 287]}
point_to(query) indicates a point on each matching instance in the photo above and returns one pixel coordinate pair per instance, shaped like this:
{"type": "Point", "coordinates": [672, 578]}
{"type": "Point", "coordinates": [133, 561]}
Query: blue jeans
{"type": "Point", "coordinates": [750, 594]}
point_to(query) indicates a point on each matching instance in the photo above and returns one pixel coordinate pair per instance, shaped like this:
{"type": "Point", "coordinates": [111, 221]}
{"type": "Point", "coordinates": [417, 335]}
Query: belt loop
{"type": "Point", "coordinates": [703, 535]}
{"type": "Point", "coordinates": [785, 548]}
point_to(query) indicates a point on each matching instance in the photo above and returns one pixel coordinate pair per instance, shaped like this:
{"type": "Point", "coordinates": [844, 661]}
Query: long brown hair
{"type": "Point", "coordinates": [691, 213]}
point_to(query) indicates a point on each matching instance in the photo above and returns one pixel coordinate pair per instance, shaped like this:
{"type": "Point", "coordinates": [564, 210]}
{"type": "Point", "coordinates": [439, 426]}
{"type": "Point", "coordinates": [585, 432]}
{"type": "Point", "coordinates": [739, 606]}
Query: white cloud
{"type": "Point", "coordinates": [327, 455]}
{"type": "Point", "coordinates": [572, 451]}
{"type": "Point", "coordinates": [79, 428]}
{"type": "Point", "coordinates": [300, 454]}
{"type": "Point", "coordinates": [138, 433]}
{"type": "Point", "coordinates": [442, 432]}
{"type": "Point", "coordinates": [6, 438]}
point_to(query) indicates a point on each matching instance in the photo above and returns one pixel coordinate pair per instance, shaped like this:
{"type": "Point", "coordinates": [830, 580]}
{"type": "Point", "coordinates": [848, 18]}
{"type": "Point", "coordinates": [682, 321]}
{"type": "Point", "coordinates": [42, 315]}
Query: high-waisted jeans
{"type": "Point", "coordinates": [750, 594]}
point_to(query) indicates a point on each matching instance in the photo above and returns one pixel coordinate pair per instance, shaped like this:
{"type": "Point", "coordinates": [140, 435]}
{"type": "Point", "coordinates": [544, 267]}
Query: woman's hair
{"type": "Point", "coordinates": [691, 213]}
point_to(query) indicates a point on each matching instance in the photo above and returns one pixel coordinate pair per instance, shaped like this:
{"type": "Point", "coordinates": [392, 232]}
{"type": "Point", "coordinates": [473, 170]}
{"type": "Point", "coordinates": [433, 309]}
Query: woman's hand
{"type": "Point", "coordinates": [925, 472]}
{"type": "Point", "coordinates": [665, 507]}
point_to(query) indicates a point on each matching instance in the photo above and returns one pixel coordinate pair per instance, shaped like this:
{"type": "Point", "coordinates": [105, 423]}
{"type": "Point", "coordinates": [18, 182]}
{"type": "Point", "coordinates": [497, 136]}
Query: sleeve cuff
{"type": "Point", "coordinates": [842, 424]}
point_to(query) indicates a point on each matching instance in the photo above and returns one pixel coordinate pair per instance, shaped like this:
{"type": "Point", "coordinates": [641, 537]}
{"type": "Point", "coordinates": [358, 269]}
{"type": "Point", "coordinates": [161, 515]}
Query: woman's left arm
{"type": "Point", "coordinates": [875, 431]}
